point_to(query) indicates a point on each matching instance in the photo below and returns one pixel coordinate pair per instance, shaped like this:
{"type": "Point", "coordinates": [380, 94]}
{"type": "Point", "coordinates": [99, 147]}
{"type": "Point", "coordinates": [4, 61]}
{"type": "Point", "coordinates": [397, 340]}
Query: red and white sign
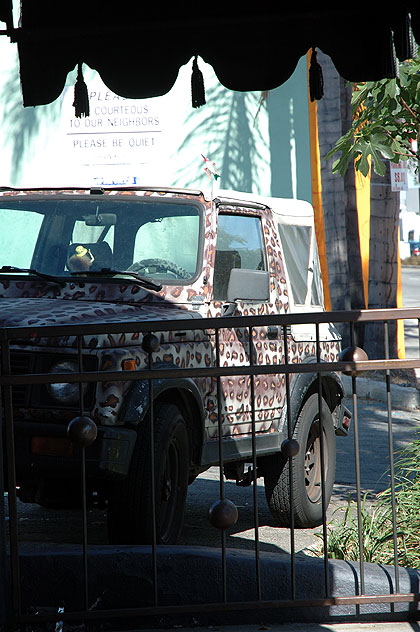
{"type": "Point", "coordinates": [399, 176]}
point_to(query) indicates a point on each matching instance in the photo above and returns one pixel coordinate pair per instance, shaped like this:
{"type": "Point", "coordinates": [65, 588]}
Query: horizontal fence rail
{"type": "Point", "coordinates": [276, 583]}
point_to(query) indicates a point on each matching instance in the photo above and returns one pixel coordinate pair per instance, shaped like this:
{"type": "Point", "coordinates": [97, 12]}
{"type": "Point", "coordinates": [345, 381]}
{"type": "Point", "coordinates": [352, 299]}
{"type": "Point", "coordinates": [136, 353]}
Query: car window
{"type": "Point", "coordinates": [158, 238]}
{"type": "Point", "coordinates": [82, 233]}
{"type": "Point", "coordinates": [301, 256]}
{"type": "Point", "coordinates": [167, 247]}
{"type": "Point", "coordinates": [239, 245]}
{"type": "Point", "coordinates": [15, 251]}
{"type": "Point", "coordinates": [296, 244]}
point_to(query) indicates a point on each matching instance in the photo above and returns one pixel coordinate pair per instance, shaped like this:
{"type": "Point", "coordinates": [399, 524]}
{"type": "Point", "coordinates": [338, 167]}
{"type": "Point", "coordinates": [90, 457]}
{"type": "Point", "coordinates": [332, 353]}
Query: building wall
{"type": "Point", "coordinates": [257, 146]}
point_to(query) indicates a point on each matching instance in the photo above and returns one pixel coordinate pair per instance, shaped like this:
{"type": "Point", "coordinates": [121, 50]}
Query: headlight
{"type": "Point", "coordinates": [64, 392]}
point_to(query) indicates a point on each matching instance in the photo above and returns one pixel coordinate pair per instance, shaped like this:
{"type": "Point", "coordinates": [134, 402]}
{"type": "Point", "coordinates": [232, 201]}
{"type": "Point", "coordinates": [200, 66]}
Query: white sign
{"type": "Point", "coordinates": [119, 137]}
{"type": "Point", "coordinates": [399, 176]}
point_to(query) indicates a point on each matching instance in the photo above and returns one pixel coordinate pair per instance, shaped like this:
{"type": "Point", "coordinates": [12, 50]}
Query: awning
{"type": "Point", "coordinates": [137, 47]}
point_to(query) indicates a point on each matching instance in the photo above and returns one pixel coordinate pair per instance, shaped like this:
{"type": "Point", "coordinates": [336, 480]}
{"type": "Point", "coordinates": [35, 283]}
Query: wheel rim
{"type": "Point", "coordinates": [312, 462]}
{"type": "Point", "coordinates": [169, 491]}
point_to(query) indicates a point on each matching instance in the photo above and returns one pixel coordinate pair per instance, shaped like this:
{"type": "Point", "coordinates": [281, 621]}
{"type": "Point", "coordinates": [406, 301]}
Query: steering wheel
{"type": "Point", "coordinates": [160, 265]}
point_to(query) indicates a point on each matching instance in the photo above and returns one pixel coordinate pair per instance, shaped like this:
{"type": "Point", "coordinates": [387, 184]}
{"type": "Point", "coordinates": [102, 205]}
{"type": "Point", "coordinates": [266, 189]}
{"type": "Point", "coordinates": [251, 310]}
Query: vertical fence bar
{"type": "Point", "coordinates": [11, 476]}
{"type": "Point", "coordinates": [254, 469]}
{"type": "Point", "coordinates": [221, 466]}
{"type": "Point", "coordinates": [219, 416]}
{"type": "Point", "coordinates": [83, 483]}
{"type": "Point", "coordinates": [149, 344]}
{"type": "Point", "coordinates": [4, 585]}
{"type": "Point", "coordinates": [391, 458]}
{"type": "Point", "coordinates": [290, 430]}
{"type": "Point", "coordinates": [322, 455]}
{"type": "Point", "coordinates": [355, 421]}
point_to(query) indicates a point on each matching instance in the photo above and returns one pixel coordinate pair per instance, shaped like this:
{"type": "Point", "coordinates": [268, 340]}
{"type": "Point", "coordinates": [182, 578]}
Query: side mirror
{"type": "Point", "coordinates": [248, 285]}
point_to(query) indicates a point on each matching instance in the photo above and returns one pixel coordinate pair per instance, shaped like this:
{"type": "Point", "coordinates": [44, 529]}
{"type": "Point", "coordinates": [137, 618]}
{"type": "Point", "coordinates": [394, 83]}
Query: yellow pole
{"type": "Point", "coordinates": [317, 196]}
{"type": "Point", "coordinates": [362, 186]}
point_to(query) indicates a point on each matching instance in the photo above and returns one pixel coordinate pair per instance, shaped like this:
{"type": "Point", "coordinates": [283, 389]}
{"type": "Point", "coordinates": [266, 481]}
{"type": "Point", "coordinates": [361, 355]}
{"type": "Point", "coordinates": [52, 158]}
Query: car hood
{"type": "Point", "coordinates": [44, 312]}
{"type": "Point", "coordinates": [23, 312]}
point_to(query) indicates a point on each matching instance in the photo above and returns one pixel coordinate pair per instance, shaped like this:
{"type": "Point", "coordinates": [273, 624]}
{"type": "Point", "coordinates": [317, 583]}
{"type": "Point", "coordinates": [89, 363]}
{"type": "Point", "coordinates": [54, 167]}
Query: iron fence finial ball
{"type": "Point", "coordinates": [223, 514]}
{"type": "Point", "coordinates": [290, 447]}
{"type": "Point", "coordinates": [150, 343]}
{"type": "Point", "coordinates": [353, 354]}
{"type": "Point", "coordinates": [82, 430]}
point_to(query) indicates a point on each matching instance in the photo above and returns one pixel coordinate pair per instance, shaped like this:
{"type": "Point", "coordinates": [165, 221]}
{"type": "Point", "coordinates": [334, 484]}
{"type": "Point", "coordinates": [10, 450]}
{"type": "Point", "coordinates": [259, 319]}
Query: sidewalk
{"type": "Point", "coordinates": [402, 397]}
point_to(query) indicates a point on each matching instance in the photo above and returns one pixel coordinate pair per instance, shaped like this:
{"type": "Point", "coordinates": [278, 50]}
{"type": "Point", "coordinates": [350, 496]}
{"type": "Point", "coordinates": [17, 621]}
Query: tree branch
{"type": "Point", "coordinates": [409, 109]}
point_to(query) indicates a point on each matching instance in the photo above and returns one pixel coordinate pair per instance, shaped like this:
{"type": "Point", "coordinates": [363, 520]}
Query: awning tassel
{"type": "Point", "coordinates": [81, 98]}
{"type": "Point", "coordinates": [197, 86]}
{"type": "Point", "coordinates": [405, 44]}
{"type": "Point", "coordinates": [316, 80]}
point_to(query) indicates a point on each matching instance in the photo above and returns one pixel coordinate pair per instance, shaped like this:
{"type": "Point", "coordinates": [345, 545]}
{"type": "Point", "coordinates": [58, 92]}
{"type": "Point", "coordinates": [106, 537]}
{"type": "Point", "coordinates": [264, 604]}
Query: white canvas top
{"type": "Point", "coordinates": [288, 210]}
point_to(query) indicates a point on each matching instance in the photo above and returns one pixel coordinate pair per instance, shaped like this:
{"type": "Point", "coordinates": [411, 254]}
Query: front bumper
{"type": "Point", "coordinates": [44, 450]}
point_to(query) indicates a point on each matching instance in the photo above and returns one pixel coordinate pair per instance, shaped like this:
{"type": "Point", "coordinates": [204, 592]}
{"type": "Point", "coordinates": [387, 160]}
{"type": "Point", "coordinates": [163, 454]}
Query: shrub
{"type": "Point", "coordinates": [411, 261]}
{"type": "Point", "coordinates": [375, 527]}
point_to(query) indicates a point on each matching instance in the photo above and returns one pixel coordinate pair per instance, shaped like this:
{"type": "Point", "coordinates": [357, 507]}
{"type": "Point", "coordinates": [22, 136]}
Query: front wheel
{"type": "Point", "coordinates": [306, 470]}
{"type": "Point", "coordinates": [130, 508]}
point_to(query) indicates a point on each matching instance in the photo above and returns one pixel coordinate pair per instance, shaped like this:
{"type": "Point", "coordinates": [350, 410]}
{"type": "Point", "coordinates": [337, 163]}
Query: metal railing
{"type": "Point", "coordinates": [219, 584]}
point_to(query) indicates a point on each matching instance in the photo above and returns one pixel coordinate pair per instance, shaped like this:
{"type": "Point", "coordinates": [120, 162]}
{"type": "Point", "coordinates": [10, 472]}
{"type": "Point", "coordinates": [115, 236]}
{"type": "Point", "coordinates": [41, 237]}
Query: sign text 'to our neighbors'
{"type": "Point", "coordinates": [115, 123]}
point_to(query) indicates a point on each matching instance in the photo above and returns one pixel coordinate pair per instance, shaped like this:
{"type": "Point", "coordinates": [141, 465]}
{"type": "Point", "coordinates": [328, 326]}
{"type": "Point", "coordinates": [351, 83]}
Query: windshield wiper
{"type": "Point", "coordinates": [144, 281]}
{"type": "Point", "coordinates": [41, 275]}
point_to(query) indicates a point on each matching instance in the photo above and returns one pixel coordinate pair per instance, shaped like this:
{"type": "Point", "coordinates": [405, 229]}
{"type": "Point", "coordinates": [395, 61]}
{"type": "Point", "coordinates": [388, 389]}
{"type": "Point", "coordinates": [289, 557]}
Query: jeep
{"type": "Point", "coordinates": [105, 256]}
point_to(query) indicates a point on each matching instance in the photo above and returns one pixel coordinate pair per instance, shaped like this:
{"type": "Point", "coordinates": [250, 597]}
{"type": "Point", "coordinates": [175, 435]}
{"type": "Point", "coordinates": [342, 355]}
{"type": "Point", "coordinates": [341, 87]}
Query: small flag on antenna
{"type": "Point", "coordinates": [210, 169]}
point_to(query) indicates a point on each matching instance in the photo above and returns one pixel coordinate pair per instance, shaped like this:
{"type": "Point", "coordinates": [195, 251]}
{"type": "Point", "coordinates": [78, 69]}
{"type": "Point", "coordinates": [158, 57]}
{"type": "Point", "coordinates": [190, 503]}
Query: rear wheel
{"type": "Point", "coordinates": [306, 470]}
{"type": "Point", "coordinates": [130, 517]}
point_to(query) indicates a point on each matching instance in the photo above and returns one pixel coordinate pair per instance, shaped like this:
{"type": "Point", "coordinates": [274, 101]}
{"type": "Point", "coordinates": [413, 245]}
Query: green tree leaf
{"type": "Point", "coordinates": [386, 119]}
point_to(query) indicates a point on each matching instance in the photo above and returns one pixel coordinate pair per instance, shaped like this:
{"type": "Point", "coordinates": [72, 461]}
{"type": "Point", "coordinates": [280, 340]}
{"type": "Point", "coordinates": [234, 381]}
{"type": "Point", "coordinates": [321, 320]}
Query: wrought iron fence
{"type": "Point", "coordinates": [63, 584]}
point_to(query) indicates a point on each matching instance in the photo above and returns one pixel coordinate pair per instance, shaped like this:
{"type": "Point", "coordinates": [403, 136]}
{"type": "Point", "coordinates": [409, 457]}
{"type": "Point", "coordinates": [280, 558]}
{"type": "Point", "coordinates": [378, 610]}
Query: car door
{"type": "Point", "coordinates": [241, 243]}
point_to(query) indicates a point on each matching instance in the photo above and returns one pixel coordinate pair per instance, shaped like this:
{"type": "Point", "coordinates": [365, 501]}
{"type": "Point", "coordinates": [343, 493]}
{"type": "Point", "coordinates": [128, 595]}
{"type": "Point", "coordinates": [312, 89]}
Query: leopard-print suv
{"type": "Point", "coordinates": [105, 257]}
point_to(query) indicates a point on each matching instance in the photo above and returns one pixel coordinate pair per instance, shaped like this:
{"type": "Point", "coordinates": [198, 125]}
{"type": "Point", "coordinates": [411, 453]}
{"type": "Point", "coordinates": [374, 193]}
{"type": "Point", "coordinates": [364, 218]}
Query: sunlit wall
{"type": "Point", "coordinates": [258, 145]}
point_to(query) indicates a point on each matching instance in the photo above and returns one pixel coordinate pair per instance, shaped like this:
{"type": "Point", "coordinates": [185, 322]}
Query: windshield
{"type": "Point", "coordinates": [157, 239]}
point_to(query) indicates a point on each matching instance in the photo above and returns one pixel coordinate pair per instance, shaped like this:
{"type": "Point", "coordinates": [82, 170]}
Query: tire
{"type": "Point", "coordinates": [130, 517]}
{"type": "Point", "coordinates": [306, 470]}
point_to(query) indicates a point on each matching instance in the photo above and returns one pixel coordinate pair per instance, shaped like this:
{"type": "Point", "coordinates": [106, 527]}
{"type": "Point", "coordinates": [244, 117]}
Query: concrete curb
{"type": "Point", "coordinates": [193, 575]}
{"type": "Point", "coordinates": [404, 397]}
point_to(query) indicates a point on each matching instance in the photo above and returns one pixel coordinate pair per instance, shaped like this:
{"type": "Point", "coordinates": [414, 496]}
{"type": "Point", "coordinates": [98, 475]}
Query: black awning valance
{"type": "Point", "coordinates": [138, 49]}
